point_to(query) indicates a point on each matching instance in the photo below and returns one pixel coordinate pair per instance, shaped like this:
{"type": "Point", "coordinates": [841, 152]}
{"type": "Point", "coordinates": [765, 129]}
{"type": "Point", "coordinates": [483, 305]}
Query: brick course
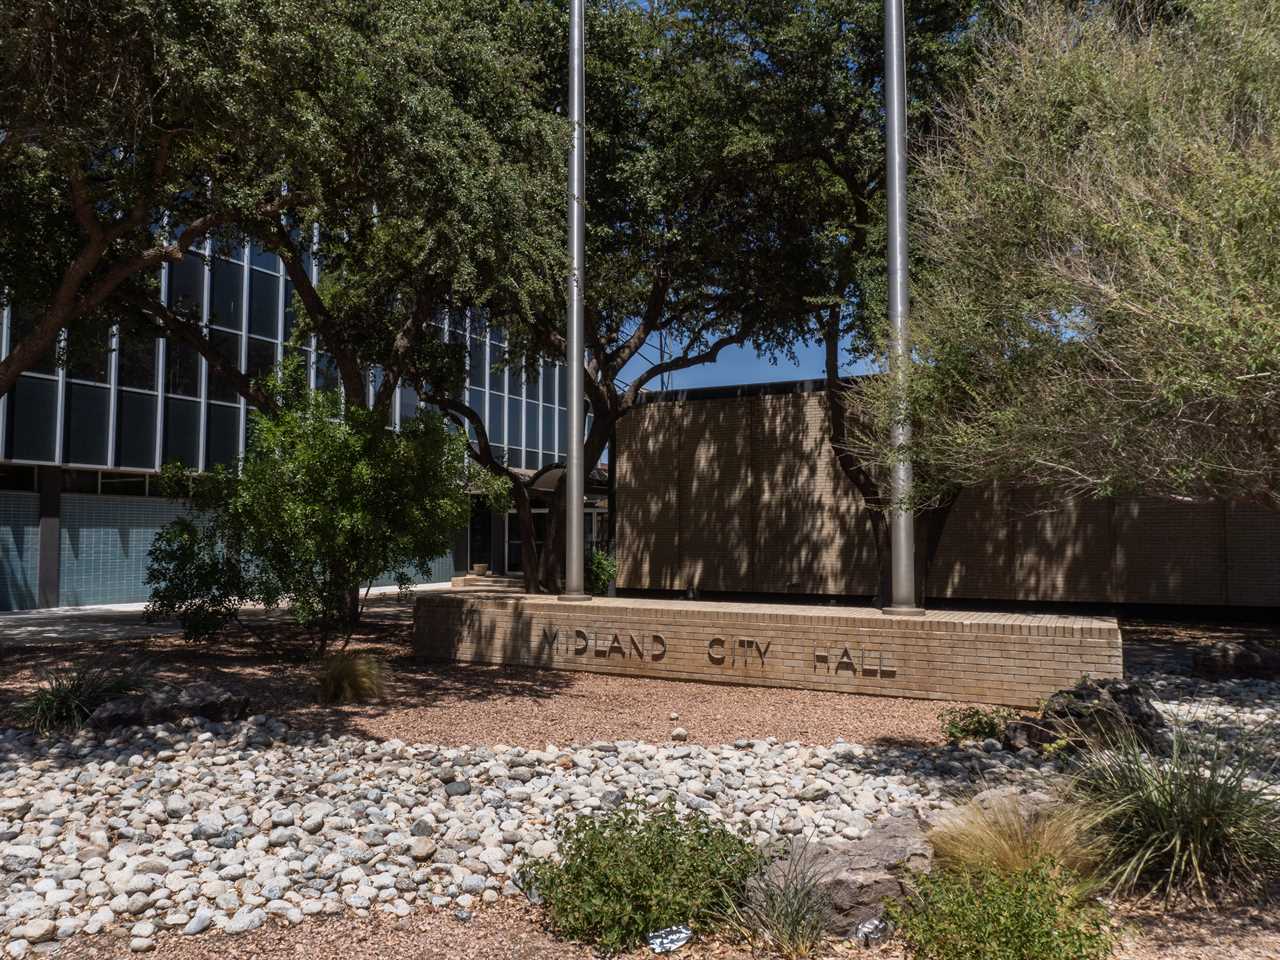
{"type": "Point", "coordinates": [1013, 659]}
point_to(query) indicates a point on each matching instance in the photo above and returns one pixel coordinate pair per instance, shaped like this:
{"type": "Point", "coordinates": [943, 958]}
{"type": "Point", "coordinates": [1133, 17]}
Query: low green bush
{"type": "Point", "coordinates": [974, 723]}
{"type": "Point", "coordinates": [351, 678]}
{"type": "Point", "coordinates": [1202, 822]}
{"type": "Point", "coordinates": [1038, 913]}
{"type": "Point", "coordinates": [67, 696]}
{"type": "Point", "coordinates": [602, 570]}
{"type": "Point", "coordinates": [622, 875]}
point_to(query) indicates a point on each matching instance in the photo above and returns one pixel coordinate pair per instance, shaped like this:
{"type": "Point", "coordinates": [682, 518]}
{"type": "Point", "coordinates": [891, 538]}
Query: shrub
{"type": "Point", "coordinates": [68, 696]}
{"type": "Point", "coordinates": [325, 501]}
{"type": "Point", "coordinates": [627, 873]}
{"type": "Point", "coordinates": [602, 569]}
{"type": "Point", "coordinates": [1009, 835]}
{"type": "Point", "coordinates": [974, 723]}
{"type": "Point", "coordinates": [785, 908]}
{"type": "Point", "coordinates": [984, 914]}
{"type": "Point", "coordinates": [351, 678]}
{"type": "Point", "coordinates": [1202, 822]}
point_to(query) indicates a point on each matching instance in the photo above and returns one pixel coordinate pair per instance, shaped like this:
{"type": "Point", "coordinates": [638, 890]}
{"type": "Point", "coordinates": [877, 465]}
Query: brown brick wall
{"type": "Point", "coordinates": [744, 495]}
{"type": "Point", "coordinates": [1013, 659]}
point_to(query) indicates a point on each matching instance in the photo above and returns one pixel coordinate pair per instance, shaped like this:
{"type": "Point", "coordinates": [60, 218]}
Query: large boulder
{"type": "Point", "coordinates": [858, 876]}
{"type": "Point", "coordinates": [1250, 659]}
{"type": "Point", "coordinates": [1092, 710]}
{"type": "Point", "coordinates": [166, 704]}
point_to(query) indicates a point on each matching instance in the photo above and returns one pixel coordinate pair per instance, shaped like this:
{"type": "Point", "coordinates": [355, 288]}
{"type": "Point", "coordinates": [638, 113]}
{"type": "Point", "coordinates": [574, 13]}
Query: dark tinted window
{"type": "Point", "coordinates": [84, 426]}
{"type": "Point", "coordinates": [33, 419]}
{"type": "Point", "coordinates": [562, 438]}
{"type": "Point", "coordinates": [186, 285]}
{"type": "Point", "coordinates": [327, 373]}
{"type": "Point", "coordinates": [135, 430]}
{"type": "Point", "coordinates": [222, 436]}
{"type": "Point", "coordinates": [531, 459]}
{"type": "Point", "coordinates": [226, 294]}
{"type": "Point", "coordinates": [408, 404]}
{"type": "Point", "coordinates": [263, 258]}
{"type": "Point", "coordinates": [548, 428]}
{"type": "Point", "coordinates": [262, 357]}
{"type": "Point", "coordinates": [182, 432]}
{"type": "Point", "coordinates": [496, 433]}
{"type": "Point", "coordinates": [478, 368]}
{"type": "Point", "coordinates": [264, 303]}
{"type": "Point", "coordinates": [514, 434]}
{"type": "Point", "coordinates": [181, 369]}
{"type": "Point", "coordinates": [531, 424]}
{"type": "Point", "coordinates": [22, 320]}
{"type": "Point", "coordinates": [89, 355]}
{"type": "Point", "coordinates": [137, 362]}
{"type": "Point", "coordinates": [548, 382]}
{"type": "Point", "coordinates": [228, 344]}
{"type": "Point", "coordinates": [476, 401]}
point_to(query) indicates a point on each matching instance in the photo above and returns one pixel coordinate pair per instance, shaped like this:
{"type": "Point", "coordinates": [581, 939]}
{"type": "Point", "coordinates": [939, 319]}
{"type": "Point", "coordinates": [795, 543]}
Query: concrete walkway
{"type": "Point", "coordinates": [119, 621]}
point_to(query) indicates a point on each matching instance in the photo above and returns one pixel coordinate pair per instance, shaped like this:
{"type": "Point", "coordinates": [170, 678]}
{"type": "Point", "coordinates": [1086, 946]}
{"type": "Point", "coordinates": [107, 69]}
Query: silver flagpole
{"type": "Point", "coordinates": [902, 520]}
{"type": "Point", "coordinates": [573, 579]}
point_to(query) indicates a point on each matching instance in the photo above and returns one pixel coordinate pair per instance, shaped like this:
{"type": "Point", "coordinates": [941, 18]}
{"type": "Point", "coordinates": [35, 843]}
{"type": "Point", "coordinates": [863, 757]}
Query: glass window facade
{"type": "Point", "coordinates": [128, 401]}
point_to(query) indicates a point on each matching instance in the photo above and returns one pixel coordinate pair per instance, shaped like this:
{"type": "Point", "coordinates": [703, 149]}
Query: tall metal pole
{"type": "Point", "coordinates": [573, 579]}
{"type": "Point", "coordinates": [902, 520]}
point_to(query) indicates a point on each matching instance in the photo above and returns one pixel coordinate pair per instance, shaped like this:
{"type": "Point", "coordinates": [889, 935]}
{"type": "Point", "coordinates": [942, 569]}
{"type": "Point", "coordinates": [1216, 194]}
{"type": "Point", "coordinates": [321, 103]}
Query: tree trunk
{"type": "Point", "coordinates": [528, 548]}
{"type": "Point", "coordinates": [352, 612]}
{"type": "Point", "coordinates": [551, 568]}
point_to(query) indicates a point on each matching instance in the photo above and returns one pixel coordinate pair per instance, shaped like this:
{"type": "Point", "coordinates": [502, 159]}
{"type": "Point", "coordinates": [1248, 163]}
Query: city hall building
{"type": "Point", "coordinates": [81, 443]}
{"type": "Point", "coordinates": [735, 490]}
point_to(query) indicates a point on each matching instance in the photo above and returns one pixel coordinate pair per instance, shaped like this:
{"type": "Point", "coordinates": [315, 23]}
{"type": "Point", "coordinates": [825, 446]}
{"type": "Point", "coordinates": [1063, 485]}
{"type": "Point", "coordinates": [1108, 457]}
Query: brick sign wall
{"type": "Point", "coordinates": [993, 658]}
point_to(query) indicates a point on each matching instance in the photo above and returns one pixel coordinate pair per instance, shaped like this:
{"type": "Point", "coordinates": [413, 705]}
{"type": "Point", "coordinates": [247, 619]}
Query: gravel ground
{"type": "Point", "coordinates": [201, 825]}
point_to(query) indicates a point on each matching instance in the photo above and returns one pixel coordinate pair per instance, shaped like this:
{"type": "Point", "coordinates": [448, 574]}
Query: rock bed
{"type": "Point", "coordinates": [195, 826]}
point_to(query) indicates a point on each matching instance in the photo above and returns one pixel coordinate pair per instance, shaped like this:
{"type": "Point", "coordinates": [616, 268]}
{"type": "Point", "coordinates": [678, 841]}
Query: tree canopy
{"type": "Point", "coordinates": [1098, 304]}
{"type": "Point", "coordinates": [120, 123]}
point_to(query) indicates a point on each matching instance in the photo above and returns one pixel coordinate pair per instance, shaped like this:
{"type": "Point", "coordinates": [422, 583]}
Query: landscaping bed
{"type": "Point", "coordinates": [308, 831]}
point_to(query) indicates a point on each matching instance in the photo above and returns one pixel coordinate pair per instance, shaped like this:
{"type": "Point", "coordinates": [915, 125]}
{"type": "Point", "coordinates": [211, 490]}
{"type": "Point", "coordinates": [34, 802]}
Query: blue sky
{"type": "Point", "coordinates": [737, 365]}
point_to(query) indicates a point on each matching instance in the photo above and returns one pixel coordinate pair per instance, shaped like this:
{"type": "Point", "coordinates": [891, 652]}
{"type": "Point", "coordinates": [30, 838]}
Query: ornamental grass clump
{"type": "Point", "coordinates": [351, 678]}
{"type": "Point", "coordinates": [1009, 834]}
{"type": "Point", "coordinates": [786, 909]}
{"type": "Point", "coordinates": [628, 873]}
{"type": "Point", "coordinates": [1202, 822]}
{"type": "Point", "coordinates": [67, 697]}
{"type": "Point", "coordinates": [1035, 913]}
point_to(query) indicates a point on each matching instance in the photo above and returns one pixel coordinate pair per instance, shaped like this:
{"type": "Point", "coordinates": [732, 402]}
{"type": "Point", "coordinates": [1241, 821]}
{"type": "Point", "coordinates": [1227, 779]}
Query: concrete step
{"type": "Point", "coordinates": [487, 581]}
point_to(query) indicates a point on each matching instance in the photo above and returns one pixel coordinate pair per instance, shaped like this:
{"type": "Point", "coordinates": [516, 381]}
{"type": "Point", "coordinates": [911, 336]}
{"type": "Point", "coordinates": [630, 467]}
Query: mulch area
{"type": "Point", "coordinates": [510, 930]}
{"type": "Point", "coordinates": [475, 705]}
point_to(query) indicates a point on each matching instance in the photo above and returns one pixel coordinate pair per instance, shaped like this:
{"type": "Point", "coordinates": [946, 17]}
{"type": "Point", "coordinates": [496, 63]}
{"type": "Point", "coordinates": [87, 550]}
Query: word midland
{"type": "Point", "coordinates": [729, 653]}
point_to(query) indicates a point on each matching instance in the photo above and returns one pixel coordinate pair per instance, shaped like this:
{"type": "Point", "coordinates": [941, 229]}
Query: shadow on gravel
{"type": "Point", "coordinates": [275, 670]}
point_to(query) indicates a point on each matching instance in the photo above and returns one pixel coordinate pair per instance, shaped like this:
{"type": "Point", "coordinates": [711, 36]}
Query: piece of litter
{"type": "Point", "coordinates": [873, 931]}
{"type": "Point", "coordinates": [672, 938]}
